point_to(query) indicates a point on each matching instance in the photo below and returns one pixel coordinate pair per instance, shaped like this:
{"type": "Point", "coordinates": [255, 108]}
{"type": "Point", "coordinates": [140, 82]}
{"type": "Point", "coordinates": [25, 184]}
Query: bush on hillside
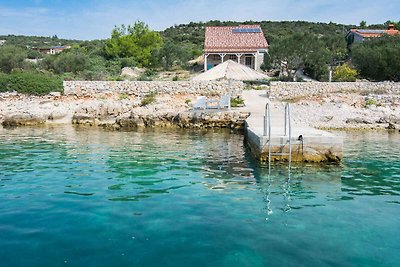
{"type": "Point", "coordinates": [345, 73]}
{"type": "Point", "coordinates": [378, 59]}
{"type": "Point", "coordinates": [71, 61]}
{"type": "Point", "coordinates": [30, 83]}
{"type": "Point", "coordinates": [11, 57]}
{"type": "Point", "coordinates": [148, 99]}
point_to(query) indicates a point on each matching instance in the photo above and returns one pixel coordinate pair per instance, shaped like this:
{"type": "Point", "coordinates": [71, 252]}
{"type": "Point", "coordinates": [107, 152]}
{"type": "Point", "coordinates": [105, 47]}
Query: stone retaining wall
{"type": "Point", "coordinates": [287, 90]}
{"type": "Point", "coordinates": [141, 88]}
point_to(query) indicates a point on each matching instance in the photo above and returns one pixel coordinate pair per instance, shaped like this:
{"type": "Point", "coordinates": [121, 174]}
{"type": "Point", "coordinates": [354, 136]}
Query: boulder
{"type": "Point", "coordinates": [132, 73]}
{"type": "Point", "coordinates": [84, 119]}
{"type": "Point", "coordinates": [22, 120]}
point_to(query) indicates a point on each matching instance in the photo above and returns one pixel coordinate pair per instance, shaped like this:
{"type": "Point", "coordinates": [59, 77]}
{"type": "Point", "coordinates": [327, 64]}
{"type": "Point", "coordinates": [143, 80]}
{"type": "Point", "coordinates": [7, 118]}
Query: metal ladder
{"type": "Point", "coordinates": [287, 133]}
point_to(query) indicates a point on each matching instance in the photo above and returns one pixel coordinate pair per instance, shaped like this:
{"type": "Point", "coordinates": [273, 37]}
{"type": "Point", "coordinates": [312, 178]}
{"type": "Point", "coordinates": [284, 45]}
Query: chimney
{"type": "Point", "coordinates": [391, 27]}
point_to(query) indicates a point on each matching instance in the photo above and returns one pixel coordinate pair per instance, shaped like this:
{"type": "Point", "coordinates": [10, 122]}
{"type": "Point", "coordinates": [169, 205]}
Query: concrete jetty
{"type": "Point", "coordinates": [307, 144]}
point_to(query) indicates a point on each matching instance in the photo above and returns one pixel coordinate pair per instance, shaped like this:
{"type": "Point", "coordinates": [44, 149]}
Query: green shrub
{"type": "Point", "coordinates": [30, 83]}
{"type": "Point", "coordinates": [71, 61]}
{"type": "Point", "coordinates": [144, 77]}
{"type": "Point", "coordinates": [274, 79]}
{"type": "Point", "coordinates": [11, 57]}
{"type": "Point", "coordinates": [150, 72]}
{"type": "Point", "coordinates": [257, 82]}
{"type": "Point", "coordinates": [123, 96]}
{"type": "Point", "coordinates": [128, 62]}
{"type": "Point", "coordinates": [115, 78]}
{"type": "Point", "coordinates": [345, 73]}
{"type": "Point", "coordinates": [237, 102]}
{"type": "Point", "coordinates": [370, 102]}
{"type": "Point", "coordinates": [285, 78]}
{"type": "Point", "coordinates": [33, 54]}
{"type": "Point", "coordinates": [187, 101]}
{"type": "Point", "coordinates": [175, 78]}
{"type": "Point", "coordinates": [378, 59]}
{"type": "Point", "coordinates": [148, 99]}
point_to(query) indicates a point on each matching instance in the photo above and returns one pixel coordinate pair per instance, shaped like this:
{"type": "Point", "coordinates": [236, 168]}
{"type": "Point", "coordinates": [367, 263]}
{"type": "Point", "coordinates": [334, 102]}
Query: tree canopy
{"type": "Point", "coordinates": [137, 42]}
{"type": "Point", "coordinates": [11, 57]}
{"type": "Point", "coordinates": [308, 51]}
{"type": "Point", "coordinates": [297, 44]}
{"type": "Point", "coordinates": [378, 59]}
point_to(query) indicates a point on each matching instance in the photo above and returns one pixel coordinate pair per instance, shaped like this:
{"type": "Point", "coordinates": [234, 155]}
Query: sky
{"type": "Point", "coordinates": [94, 19]}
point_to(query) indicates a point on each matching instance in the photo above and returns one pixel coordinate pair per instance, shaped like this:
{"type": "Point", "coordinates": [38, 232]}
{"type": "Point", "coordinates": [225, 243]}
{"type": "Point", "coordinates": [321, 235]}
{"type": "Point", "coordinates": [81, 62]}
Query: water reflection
{"type": "Point", "coordinates": [137, 165]}
{"type": "Point", "coordinates": [176, 160]}
{"type": "Point", "coordinates": [304, 185]}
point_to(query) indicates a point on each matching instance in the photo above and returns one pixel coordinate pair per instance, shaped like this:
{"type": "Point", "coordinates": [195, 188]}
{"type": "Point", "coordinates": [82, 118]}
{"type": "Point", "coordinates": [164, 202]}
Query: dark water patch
{"type": "Point", "coordinates": [79, 193]}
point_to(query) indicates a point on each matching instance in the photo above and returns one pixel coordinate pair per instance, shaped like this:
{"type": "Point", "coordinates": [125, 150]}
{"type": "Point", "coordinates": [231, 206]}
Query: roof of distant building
{"type": "Point", "coordinates": [242, 38]}
{"type": "Point", "coordinates": [366, 33]}
{"type": "Point", "coordinates": [59, 47]}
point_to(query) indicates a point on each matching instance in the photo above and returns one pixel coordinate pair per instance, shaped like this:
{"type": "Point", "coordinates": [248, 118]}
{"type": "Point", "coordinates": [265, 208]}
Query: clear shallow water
{"type": "Point", "coordinates": [87, 197]}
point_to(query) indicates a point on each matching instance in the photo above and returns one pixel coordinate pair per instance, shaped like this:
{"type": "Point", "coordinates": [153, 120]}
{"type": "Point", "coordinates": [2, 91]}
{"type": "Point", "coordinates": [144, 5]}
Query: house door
{"type": "Point", "coordinates": [248, 61]}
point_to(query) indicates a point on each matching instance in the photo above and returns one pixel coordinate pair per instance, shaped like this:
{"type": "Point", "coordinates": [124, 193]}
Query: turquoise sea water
{"type": "Point", "coordinates": [88, 197]}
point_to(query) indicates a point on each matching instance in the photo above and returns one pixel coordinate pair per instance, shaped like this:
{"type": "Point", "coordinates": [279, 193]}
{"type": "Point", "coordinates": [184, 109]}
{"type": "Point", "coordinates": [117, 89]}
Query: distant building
{"type": "Point", "coordinates": [2, 42]}
{"type": "Point", "coordinates": [52, 50]}
{"type": "Point", "coordinates": [245, 44]}
{"type": "Point", "coordinates": [359, 35]}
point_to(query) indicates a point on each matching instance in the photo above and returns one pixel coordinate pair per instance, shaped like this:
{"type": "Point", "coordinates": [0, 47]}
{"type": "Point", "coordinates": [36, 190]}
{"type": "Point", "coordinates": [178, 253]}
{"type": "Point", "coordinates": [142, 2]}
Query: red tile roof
{"type": "Point", "coordinates": [374, 33]}
{"type": "Point", "coordinates": [225, 39]}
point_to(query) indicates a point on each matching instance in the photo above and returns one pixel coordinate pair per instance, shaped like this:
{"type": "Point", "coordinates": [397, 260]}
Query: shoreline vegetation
{"type": "Point", "coordinates": [313, 48]}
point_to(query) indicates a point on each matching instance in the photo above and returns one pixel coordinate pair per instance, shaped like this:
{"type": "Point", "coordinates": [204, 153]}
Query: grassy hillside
{"type": "Point", "coordinates": [36, 41]}
{"type": "Point", "coordinates": [314, 47]}
{"type": "Point", "coordinates": [194, 32]}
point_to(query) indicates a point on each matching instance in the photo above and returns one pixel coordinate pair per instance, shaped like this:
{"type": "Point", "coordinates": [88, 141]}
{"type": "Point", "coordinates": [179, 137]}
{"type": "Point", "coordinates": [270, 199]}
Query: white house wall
{"type": "Point", "coordinates": [260, 59]}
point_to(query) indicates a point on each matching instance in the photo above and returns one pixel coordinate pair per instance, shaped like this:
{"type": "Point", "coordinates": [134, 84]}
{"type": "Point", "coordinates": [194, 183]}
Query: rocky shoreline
{"type": "Point", "coordinates": [341, 106]}
{"type": "Point", "coordinates": [327, 110]}
{"type": "Point", "coordinates": [113, 111]}
{"type": "Point", "coordinates": [348, 111]}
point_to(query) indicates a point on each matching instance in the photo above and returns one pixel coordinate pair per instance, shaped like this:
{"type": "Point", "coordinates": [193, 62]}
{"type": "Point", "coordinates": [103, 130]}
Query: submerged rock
{"type": "Point", "coordinates": [22, 120]}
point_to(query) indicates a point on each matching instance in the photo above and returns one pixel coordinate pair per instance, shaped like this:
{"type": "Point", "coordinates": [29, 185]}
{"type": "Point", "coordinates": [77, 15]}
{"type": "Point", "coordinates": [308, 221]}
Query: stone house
{"type": "Point", "coordinates": [359, 35]}
{"type": "Point", "coordinates": [52, 50]}
{"type": "Point", "coordinates": [245, 44]}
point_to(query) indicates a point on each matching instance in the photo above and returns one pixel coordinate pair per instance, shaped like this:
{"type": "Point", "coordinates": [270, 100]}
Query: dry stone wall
{"type": "Point", "coordinates": [141, 88]}
{"type": "Point", "coordinates": [288, 90]}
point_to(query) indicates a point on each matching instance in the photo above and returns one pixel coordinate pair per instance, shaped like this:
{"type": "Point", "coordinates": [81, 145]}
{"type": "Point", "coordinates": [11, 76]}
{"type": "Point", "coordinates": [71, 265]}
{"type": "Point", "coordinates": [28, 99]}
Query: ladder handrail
{"type": "Point", "coordinates": [287, 133]}
{"type": "Point", "coordinates": [288, 130]}
{"type": "Point", "coordinates": [287, 118]}
{"type": "Point", "coordinates": [267, 120]}
{"type": "Point", "coordinates": [267, 132]}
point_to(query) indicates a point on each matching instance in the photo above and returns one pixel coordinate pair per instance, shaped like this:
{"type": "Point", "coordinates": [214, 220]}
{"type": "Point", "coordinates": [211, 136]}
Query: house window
{"type": "Point", "coordinates": [216, 57]}
{"type": "Point", "coordinates": [233, 57]}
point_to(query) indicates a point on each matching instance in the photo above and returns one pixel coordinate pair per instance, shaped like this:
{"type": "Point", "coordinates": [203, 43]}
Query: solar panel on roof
{"type": "Point", "coordinates": [246, 30]}
{"type": "Point", "coordinates": [371, 31]}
